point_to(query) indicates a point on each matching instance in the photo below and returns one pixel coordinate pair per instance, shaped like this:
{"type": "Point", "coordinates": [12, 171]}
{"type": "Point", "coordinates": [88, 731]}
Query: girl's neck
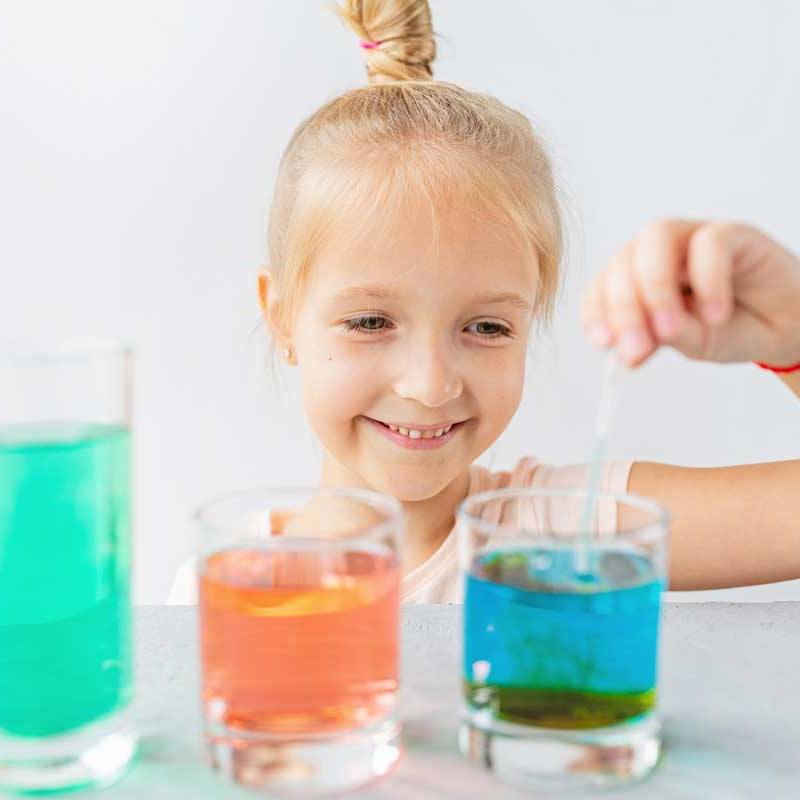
{"type": "Point", "coordinates": [428, 522]}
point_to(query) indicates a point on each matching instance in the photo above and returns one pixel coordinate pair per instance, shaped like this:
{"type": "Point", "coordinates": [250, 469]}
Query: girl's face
{"type": "Point", "coordinates": [412, 346]}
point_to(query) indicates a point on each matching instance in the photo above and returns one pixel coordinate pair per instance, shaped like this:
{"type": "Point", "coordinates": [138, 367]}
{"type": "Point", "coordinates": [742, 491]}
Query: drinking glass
{"type": "Point", "coordinates": [299, 622]}
{"type": "Point", "coordinates": [561, 635]}
{"type": "Point", "coordinates": [65, 563]}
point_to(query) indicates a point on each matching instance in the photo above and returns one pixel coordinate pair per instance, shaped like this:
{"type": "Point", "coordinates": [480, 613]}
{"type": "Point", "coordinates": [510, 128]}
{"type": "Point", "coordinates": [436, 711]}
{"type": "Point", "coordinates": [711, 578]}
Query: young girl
{"type": "Point", "coordinates": [414, 244]}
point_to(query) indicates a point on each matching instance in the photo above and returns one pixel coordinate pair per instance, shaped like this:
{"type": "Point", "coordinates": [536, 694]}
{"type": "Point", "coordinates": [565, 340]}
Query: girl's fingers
{"type": "Point", "coordinates": [658, 265]}
{"type": "Point", "coordinates": [593, 314]}
{"type": "Point", "coordinates": [710, 270]}
{"type": "Point", "coordinates": [638, 302]}
{"type": "Point", "coordinates": [626, 312]}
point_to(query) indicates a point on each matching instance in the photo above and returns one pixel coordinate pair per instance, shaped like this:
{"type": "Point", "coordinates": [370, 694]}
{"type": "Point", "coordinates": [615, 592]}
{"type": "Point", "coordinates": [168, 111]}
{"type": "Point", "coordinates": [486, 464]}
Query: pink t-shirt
{"type": "Point", "coordinates": [437, 580]}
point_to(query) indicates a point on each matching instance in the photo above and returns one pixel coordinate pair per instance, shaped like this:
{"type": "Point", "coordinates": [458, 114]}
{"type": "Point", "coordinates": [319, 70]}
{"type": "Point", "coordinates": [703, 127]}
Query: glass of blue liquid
{"type": "Point", "coordinates": [66, 654]}
{"type": "Point", "coordinates": [561, 635]}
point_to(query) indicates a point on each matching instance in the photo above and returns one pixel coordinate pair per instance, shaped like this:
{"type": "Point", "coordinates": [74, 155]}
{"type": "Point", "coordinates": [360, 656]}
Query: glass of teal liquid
{"type": "Point", "coordinates": [561, 635]}
{"type": "Point", "coordinates": [65, 564]}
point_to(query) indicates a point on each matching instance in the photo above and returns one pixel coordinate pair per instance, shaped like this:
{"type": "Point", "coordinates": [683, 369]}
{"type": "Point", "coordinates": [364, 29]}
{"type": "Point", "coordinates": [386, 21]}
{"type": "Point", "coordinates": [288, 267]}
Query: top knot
{"type": "Point", "coordinates": [396, 37]}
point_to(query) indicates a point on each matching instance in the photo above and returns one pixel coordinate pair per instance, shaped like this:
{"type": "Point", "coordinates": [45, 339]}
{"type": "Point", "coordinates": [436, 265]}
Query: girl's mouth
{"type": "Point", "coordinates": [411, 438]}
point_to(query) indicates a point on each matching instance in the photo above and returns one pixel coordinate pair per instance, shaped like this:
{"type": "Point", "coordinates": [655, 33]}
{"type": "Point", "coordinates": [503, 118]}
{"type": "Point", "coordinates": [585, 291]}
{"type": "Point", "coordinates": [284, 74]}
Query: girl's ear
{"type": "Point", "coordinates": [266, 301]}
{"type": "Point", "coordinates": [264, 283]}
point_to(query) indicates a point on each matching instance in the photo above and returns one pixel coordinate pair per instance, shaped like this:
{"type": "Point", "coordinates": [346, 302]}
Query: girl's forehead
{"type": "Point", "coordinates": [459, 251]}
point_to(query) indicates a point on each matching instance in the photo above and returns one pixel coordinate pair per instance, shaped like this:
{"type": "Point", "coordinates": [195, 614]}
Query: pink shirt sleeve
{"type": "Point", "coordinates": [562, 516]}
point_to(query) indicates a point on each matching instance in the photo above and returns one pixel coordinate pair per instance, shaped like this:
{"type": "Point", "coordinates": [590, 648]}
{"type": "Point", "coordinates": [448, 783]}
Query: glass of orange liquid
{"type": "Point", "coordinates": [299, 623]}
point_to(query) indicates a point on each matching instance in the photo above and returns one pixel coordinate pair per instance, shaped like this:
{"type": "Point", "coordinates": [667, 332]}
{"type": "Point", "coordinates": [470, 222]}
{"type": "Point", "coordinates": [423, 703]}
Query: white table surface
{"type": "Point", "coordinates": [729, 686]}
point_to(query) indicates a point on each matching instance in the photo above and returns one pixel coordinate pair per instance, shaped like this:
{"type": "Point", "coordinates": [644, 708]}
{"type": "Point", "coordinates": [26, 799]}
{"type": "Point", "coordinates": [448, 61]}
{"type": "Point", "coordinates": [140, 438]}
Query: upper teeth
{"type": "Point", "coordinates": [415, 434]}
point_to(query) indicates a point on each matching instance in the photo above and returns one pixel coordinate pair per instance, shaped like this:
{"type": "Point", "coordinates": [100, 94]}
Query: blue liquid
{"type": "Point", "coordinates": [547, 646]}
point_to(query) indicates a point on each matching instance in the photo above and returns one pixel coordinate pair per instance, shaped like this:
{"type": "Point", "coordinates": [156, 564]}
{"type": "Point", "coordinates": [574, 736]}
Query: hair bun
{"type": "Point", "coordinates": [397, 36]}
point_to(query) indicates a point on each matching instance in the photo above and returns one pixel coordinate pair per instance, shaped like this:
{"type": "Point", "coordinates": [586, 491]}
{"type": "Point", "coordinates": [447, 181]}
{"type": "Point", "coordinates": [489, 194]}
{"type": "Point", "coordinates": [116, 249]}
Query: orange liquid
{"type": "Point", "coordinates": [299, 641]}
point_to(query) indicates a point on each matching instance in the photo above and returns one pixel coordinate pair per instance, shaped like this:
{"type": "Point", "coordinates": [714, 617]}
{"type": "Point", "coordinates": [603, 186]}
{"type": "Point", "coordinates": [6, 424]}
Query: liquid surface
{"type": "Point", "coordinates": [299, 641]}
{"type": "Point", "coordinates": [548, 646]}
{"type": "Point", "coordinates": [65, 648]}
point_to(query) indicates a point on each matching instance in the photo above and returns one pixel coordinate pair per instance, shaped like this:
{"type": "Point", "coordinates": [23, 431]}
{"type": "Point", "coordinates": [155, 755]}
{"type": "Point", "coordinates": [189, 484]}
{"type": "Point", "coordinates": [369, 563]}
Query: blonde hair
{"type": "Point", "coordinates": [406, 135]}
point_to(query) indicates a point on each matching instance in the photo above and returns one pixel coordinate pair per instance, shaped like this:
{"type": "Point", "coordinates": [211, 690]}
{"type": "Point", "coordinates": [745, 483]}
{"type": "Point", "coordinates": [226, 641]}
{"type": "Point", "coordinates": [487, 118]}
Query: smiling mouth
{"type": "Point", "coordinates": [439, 432]}
{"type": "Point", "coordinates": [419, 433]}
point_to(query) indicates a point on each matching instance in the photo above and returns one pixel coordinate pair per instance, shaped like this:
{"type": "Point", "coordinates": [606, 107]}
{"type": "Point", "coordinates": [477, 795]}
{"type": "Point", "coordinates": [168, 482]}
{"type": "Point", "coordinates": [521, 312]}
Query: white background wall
{"type": "Point", "coordinates": [138, 145]}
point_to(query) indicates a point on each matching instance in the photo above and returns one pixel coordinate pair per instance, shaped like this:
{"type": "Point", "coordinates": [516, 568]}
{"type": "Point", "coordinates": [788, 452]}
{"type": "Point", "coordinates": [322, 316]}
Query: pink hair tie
{"type": "Point", "coordinates": [364, 45]}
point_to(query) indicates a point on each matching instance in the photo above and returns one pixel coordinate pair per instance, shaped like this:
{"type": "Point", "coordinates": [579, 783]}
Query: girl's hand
{"type": "Point", "coordinates": [715, 291]}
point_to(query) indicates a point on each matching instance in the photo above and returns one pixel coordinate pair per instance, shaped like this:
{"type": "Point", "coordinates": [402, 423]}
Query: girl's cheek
{"type": "Point", "coordinates": [502, 368]}
{"type": "Point", "coordinates": [347, 362]}
{"type": "Point", "coordinates": [498, 386]}
{"type": "Point", "coordinates": [340, 384]}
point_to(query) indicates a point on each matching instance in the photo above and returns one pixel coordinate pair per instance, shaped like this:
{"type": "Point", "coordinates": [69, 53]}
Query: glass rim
{"type": "Point", "coordinates": [661, 517]}
{"type": "Point", "coordinates": [46, 352]}
{"type": "Point", "coordinates": [382, 502]}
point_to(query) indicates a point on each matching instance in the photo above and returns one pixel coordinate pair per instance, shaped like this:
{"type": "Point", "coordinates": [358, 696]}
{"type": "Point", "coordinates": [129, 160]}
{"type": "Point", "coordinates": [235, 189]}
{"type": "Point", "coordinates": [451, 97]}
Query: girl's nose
{"type": "Point", "coordinates": [430, 377]}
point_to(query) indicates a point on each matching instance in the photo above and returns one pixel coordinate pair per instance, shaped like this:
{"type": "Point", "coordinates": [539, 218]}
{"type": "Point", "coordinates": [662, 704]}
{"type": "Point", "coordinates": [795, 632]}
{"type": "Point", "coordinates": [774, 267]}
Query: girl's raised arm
{"type": "Point", "coordinates": [723, 292]}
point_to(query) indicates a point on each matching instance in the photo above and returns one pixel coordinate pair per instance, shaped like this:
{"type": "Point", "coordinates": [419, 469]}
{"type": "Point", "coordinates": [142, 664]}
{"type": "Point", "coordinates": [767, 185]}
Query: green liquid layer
{"type": "Point", "coordinates": [553, 708]}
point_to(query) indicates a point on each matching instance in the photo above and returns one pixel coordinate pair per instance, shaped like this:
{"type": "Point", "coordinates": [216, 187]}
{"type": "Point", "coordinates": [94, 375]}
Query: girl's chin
{"type": "Point", "coordinates": [412, 489]}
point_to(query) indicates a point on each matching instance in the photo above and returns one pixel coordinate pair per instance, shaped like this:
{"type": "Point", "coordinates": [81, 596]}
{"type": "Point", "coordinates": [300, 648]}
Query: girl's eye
{"type": "Point", "coordinates": [367, 324]}
{"type": "Point", "coordinates": [489, 330]}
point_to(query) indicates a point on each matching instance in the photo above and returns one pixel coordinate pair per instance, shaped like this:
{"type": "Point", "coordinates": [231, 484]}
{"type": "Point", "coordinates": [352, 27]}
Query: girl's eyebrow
{"type": "Point", "coordinates": [484, 299]}
{"type": "Point", "coordinates": [365, 292]}
{"type": "Point", "coordinates": [507, 298]}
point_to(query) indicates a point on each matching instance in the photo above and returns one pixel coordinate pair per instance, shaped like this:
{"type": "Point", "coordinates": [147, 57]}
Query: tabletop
{"type": "Point", "coordinates": [729, 695]}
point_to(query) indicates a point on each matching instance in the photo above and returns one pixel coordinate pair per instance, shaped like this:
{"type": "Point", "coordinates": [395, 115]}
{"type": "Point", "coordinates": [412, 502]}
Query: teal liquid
{"type": "Point", "coordinates": [548, 646]}
{"type": "Point", "coordinates": [65, 630]}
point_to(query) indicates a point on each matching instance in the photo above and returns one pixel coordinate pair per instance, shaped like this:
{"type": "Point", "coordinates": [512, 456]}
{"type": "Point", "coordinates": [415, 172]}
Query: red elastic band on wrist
{"type": "Point", "coordinates": [795, 368]}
